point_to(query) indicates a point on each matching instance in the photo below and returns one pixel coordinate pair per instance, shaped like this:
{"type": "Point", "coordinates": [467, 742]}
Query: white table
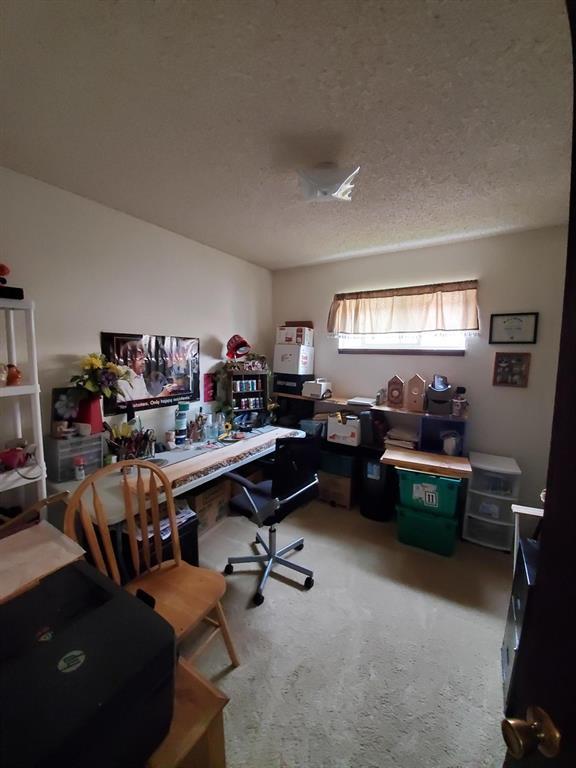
{"type": "Point", "coordinates": [187, 470]}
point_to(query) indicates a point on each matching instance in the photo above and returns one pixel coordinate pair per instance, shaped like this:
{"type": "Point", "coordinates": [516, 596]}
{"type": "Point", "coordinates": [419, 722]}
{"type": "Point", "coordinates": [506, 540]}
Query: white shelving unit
{"type": "Point", "coordinates": [16, 342]}
{"type": "Point", "coordinates": [494, 487]}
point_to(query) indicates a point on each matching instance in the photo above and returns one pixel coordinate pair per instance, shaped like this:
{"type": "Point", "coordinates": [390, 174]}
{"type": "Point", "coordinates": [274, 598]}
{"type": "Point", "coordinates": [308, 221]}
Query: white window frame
{"type": "Point", "coordinates": [423, 343]}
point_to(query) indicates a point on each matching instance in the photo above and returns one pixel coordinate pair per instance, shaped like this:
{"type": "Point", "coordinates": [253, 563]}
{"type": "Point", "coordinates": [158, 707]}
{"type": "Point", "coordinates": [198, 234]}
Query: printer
{"type": "Point", "coordinates": [86, 675]}
{"type": "Point", "coordinates": [319, 389]}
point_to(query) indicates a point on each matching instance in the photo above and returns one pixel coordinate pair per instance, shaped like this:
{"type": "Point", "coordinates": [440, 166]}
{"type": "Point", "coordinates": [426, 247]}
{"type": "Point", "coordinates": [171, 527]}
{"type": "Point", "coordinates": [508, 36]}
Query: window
{"type": "Point", "coordinates": [427, 341]}
{"type": "Point", "coordinates": [423, 319]}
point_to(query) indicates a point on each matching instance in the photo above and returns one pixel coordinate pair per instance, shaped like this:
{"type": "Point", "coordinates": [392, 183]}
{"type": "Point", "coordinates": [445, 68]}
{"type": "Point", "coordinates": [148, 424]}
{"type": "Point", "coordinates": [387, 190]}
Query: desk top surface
{"type": "Point", "coordinates": [191, 470]}
{"type": "Point", "coordinates": [421, 461]}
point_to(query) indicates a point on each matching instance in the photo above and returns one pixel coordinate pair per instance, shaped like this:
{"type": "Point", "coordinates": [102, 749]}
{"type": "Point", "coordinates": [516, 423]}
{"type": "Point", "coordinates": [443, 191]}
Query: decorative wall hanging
{"type": "Point", "coordinates": [520, 328]}
{"type": "Point", "coordinates": [511, 369]}
{"type": "Point", "coordinates": [164, 370]}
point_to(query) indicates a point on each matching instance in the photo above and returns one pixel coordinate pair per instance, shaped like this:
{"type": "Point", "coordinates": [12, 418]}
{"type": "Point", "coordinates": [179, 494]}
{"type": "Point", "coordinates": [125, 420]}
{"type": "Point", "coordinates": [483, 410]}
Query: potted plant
{"type": "Point", "coordinates": [98, 378]}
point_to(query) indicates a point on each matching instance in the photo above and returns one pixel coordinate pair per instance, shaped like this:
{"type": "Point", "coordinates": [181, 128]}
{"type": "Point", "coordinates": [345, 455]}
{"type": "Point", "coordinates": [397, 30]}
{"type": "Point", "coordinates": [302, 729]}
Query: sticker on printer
{"type": "Point", "coordinates": [72, 661]}
{"type": "Point", "coordinates": [426, 493]}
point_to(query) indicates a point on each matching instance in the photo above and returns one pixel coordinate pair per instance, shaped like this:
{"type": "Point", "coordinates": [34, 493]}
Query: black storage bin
{"type": "Point", "coordinates": [378, 489]}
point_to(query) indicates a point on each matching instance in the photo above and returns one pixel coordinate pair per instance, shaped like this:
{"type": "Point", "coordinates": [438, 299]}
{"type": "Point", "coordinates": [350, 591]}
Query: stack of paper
{"type": "Point", "coordinates": [183, 513]}
{"type": "Point", "coordinates": [401, 437]}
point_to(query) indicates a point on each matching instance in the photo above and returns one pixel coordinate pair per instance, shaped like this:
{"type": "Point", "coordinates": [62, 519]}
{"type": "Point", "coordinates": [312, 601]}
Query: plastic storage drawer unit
{"type": "Point", "coordinates": [60, 455]}
{"type": "Point", "coordinates": [490, 534]}
{"type": "Point", "coordinates": [437, 495]}
{"type": "Point", "coordinates": [420, 529]}
{"type": "Point", "coordinates": [490, 508]}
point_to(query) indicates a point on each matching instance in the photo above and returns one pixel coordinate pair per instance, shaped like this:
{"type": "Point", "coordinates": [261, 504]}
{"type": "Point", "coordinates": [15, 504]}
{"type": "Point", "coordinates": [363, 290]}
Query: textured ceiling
{"type": "Point", "coordinates": [193, 115]}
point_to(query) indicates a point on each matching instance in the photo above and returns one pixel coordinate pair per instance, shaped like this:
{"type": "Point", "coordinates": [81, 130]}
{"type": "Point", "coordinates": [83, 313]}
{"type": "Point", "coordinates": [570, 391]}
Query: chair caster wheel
{"type": "Point", "coordinates": [258, 599]}
{"type": "Point", "coordinates": [299, 548]}
{"type": "Point", "coordinates": [309, 583]}
{"type": "Point", "coordinates": [228, 569]}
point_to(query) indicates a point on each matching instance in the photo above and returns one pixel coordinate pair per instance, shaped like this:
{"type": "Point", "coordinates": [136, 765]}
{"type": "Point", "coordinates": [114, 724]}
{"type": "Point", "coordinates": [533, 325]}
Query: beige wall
{"type": "Point", "coordinates": [91, 269]}
{"type": "Point", "coordinates": [517, 273]}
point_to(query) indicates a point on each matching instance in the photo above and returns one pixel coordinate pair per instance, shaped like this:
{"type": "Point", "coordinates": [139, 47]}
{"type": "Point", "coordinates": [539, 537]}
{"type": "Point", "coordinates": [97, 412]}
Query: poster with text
{"type": "Point", "coordinates": [164, 370]}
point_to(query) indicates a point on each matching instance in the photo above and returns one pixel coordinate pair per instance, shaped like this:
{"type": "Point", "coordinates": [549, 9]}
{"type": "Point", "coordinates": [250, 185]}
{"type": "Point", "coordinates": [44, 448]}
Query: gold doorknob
{"type": "Point", "coordinates": [523, 737]}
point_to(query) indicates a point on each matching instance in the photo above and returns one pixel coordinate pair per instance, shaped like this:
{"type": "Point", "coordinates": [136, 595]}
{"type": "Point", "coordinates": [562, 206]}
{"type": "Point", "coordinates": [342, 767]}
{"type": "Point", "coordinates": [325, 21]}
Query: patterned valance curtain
{"type": "Point", "coordinates": [439, 307]}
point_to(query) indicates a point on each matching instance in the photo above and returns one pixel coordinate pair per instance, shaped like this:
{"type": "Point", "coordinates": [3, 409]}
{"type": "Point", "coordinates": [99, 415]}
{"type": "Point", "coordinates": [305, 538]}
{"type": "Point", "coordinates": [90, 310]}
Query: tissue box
{"type": "Point", "coordinates": [345, 434]}
{"type": "Point", "coordinates": [286, 334]}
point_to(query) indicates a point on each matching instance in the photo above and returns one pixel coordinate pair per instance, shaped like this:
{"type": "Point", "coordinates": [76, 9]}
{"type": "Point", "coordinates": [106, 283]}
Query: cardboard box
{"type": "Point", "coordinates": [345, 434]}
{"type": "Point", "coordinates": [293, 358]}
{"type": "Point", "coordinates": [286, 334]}
{"type": "Point", "coordinates": [335, 489]}
{"type": "Point", "coordinates": [210, 504]}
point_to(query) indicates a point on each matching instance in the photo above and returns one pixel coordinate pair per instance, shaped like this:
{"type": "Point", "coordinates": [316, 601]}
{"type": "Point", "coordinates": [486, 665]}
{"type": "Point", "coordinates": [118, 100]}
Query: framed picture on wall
{"type": "Point", "coordinates": [511, 369]}
{"type": "Point", "coordinates": [519, 328]}
{"type": "Point", "coordinates": [164, 370]}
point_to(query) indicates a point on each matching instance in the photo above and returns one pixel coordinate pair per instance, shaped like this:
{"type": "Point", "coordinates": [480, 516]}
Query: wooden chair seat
{"type": "Point", "coordinates": [184, 594]}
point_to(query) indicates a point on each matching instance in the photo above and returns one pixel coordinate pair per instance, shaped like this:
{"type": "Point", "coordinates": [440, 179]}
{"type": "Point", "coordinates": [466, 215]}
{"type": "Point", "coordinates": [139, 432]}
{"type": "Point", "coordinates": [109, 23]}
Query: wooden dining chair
{"type": "Point", "coordinates": [183, 594]}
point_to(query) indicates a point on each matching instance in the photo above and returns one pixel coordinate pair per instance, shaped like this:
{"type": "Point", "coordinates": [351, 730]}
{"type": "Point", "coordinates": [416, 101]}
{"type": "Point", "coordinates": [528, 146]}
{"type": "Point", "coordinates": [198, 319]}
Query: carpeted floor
{"type": "Point", "coordinates": [390, 661]}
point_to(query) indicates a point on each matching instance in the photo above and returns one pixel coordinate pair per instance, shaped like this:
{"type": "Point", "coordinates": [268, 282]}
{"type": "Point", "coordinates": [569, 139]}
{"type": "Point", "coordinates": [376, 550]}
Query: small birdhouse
{"type": "Point", "coordinates": [416, 391]}
{"type": "Point", "coordinates": [396, 392]}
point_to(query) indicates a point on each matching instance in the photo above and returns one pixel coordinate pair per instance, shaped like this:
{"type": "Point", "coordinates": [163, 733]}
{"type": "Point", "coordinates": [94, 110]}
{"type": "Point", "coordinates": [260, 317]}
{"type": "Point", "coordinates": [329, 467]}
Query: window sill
{"type": "Point", "coordinates": [437, 352]}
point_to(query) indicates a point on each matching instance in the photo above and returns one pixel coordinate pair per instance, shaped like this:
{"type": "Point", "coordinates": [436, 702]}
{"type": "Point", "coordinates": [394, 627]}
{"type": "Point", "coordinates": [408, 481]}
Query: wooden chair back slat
{"type": "Point", "coordinates": [170, 508]}
{"type": "Point", "coordinates": [150, 483]}
{"type": "Point", "coordinates": [143, 518]}
{"type": "Point", "coordinates": [104, 532]}
{"type": "Point", "coordinates": [155, 514]}
{"type": "Point", "coordinates": [91, 539]}
{"type": "Point", "coordinates": [131, 524]}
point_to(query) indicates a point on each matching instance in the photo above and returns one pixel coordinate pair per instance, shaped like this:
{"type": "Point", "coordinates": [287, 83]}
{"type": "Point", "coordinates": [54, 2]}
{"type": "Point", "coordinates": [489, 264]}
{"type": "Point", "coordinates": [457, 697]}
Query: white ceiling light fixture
{"type": "Point", "coordinates": [327, 182]}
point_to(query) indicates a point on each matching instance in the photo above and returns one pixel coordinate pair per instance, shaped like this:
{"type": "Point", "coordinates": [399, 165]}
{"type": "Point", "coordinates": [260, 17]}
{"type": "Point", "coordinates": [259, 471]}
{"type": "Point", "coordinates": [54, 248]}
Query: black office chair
{"type": "Point", "coordinates": [294, 482]}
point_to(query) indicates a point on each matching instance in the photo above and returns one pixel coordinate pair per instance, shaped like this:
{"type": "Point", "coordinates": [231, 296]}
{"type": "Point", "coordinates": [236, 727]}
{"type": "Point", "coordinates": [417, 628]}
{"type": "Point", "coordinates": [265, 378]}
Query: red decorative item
{"type": "Point", "coordinates": [237, 346]}
{"type": "Point", "coordinates": [14, 377]}
{"type": "Point", "coordinates": [90, 412]}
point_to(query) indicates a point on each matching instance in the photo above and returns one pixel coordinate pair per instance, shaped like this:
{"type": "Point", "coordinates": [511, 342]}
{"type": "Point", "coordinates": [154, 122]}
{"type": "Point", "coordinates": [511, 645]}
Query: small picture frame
{"type": "Point", "coordinates": [517, 328]}
{"type": "Point", "coordinates": [64, 412]}
{"type": "Point", "coordinates": [511, 369]}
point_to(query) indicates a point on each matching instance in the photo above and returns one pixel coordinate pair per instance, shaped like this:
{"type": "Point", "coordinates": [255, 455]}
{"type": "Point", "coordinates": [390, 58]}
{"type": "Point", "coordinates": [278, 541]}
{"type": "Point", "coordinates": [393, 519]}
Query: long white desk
{"type": "Point", "coordinates": [187, 470]}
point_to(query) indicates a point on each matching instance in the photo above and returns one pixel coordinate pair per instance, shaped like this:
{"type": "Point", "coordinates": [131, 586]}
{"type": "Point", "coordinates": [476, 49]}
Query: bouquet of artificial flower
{"type": "Point", "coordinates": [99, 376]}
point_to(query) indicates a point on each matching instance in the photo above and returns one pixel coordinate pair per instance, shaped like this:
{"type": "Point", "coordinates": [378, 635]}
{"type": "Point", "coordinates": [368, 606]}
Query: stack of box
{"type": "Point", "coordinates": [427, 511]}
{"type": "Point", "coordinates": [293, 358]}
{"type": "Point", "coordinates": [336, 477]}
{"type": "Point", "coordinates": [210, 503]}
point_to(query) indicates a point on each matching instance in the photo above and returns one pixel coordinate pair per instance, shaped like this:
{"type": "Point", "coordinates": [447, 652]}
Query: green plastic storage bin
{"type": "Point", "coordinates": [337, 463]}
{"type": "Point", "coordinates": [437, 495]}
{"type": "Point", "coordinates": [421, 529]}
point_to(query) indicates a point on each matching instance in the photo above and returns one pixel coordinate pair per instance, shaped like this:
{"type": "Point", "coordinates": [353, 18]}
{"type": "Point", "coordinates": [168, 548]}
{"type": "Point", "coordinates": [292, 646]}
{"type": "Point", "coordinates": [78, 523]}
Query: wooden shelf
{"type": "Point", "coordinates": [19, 391]}
{"type": "Point", "coordinates": [17, 478]}
{"type": "Point", "coordinates": [247, 410]}
{"type": "Point", "coordinates": [341, 401]}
